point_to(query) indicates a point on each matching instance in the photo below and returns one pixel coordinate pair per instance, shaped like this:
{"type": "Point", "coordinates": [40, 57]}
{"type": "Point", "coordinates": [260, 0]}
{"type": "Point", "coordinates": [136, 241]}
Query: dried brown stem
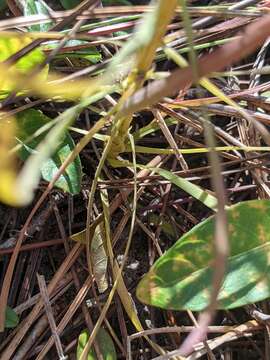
{"type": "Point", "coordinates": [252, 37]}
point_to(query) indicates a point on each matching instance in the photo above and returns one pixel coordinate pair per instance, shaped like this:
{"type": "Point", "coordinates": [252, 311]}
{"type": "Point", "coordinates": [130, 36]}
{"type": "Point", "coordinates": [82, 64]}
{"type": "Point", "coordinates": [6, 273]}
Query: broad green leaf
{"type": "Point", "coordinates": [105, 343]}
{"type": "Point", "coordinates": [182, 277]}
{"type": "Point", "coordinates": [9, 46]}
{"type": "Point", "coordinates": [19, 189]}
{"type": "Point", "coordinates": [28, 122]}
{"type": "Point", "coordinates": [12, 318]}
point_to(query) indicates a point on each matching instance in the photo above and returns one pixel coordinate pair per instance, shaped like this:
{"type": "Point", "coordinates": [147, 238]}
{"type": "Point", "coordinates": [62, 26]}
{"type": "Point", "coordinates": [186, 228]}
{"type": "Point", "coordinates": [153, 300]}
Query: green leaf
{"type": "Point", "coordinates": [35, 7]}
{"type": "Point", "coordinates": [28, 122]}
{"type": "Point", "coordinates": [194, 190]}
{"type": "Point", "coordinates": [182, 277]}
{"type": "Point", "coordinates": [90, 54]}
{"type": "Point", "coordinates": [69, 4]}
{"type": "Point", "coordinates": [12, 318]}
{"type": "Point", "coordinates": [85, 55]}
{"type": "Point", "coordinates": [153, 126]}
{"type": "Point", "coordinates": [3, 4]}
{"type": "Point", "coordinates": [105, 344]}
{"type": "Point", "coordinates": [116, 2]}
{"type": "Point", "coordinates": [164, 223]}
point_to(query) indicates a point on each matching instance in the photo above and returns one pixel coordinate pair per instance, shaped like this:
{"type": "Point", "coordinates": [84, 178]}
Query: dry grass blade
{"type": "Point", "coordinates": [170, 139]}
{"type": "Point", "coordinates": [247, 42]}
{"type": "Point", "coordinates": [49, 312]}
{"type": "Point", "coordinates": [7, 353]}
{"type": "Point", "coordinates": [70, 312]}
{"type": "Point", "coordinates": [8, 277]}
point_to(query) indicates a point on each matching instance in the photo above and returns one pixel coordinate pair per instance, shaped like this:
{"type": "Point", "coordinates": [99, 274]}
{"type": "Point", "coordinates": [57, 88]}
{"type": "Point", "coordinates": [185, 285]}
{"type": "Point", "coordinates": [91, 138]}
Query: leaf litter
{"type": "Point", "coordinates": [144, 96]}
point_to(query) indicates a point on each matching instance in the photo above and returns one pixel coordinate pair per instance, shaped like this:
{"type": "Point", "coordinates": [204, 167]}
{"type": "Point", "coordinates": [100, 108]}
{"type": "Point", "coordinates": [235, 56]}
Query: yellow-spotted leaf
{"type": "Point", "coordinates": [104, 341]}
{"type": "Point", "coordinates": [182, 277]}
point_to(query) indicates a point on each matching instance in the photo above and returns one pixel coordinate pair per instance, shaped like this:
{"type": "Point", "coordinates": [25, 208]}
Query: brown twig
{"type": "Point", "coordinates": [235, 333]}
